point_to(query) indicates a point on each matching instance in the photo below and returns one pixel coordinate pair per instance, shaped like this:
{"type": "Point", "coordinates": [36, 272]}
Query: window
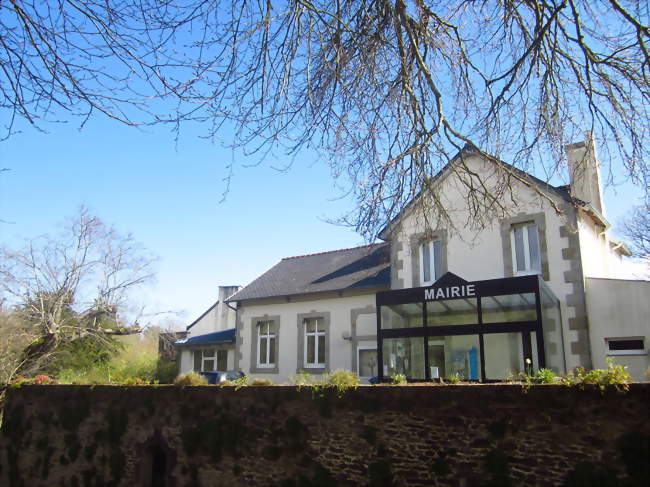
{"type": "Point", "coordinates": [430, 261]}
{"type": "Point", "coordinates": [367, 362]}
{"type": "Point", "coordinates": [625, 346]}
{"type": "Point", "coordinates": [222, 360]}
{"type": "Point", "coordinates": [204, 360]}
{"type": "Point", "coordinates": [266, 344]}
{"type": "Point", "coordinates": [525, 249]}
{"type": "Point", "coordinates": [314, 342]}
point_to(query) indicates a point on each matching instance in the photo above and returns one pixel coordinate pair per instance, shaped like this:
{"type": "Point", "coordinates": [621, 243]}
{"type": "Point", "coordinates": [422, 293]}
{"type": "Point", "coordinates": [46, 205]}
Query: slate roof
{"type": "Point", "coordinates": [225, 336]}
{"type": "Point", "coordinates": [366, 266]}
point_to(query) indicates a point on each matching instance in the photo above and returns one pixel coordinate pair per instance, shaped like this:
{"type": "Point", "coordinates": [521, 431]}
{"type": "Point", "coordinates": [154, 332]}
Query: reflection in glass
{"type": "Point", "coordinates": [504, 355]}
{"type": "Point", "coordinates": [401, 316]}
{"type": "Point", "coordinates": [454, 355]}
{"type": "Point", "coordinates": [508, 308]}
{"type": "Point", "coordinates": [551, 325]}
{"type": "Point", "coordinates": [367, 362]}
{"type": "Point", "coordinates": [437, 358]}
{"type": "Point", "coordinates": [404, 356]}
{"type": "Point", "coordinates": [452, 312]}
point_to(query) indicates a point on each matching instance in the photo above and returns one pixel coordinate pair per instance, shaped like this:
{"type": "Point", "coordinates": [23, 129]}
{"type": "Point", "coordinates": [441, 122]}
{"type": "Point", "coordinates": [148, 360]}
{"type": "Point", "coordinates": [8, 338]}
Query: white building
{"type": "Point", "coordinates": [476, 316]}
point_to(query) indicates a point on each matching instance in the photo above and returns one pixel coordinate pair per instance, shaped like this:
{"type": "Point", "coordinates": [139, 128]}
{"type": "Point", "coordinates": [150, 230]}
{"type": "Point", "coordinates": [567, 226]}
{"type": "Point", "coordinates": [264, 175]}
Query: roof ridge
{"type": "Point", "coordinates": [332, 251]}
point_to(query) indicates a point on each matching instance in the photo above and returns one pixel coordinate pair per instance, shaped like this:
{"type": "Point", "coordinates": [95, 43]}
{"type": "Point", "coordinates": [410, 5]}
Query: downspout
{"type": "Point", "coordinates": [236, 357]}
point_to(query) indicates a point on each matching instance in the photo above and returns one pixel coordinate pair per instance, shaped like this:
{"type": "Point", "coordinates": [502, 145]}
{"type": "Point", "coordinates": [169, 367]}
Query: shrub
{"type": "Point", "coordinates": [398, 378]}
{"type": "Point", "coordinates": [85, 353]}
{"type": "Point", "coordinates": [237, 383]}
{"type": "Point", "coordinates": [19, 381]}
{"type": "Point", "coordinates": [44, 379]}
{"type": "Point", "coordinates": [134, 363]}
{"type": "Point", "coordinates": [342, 380]}
{"type": "Point", "coordinates": [545, 376]}
{"type": "Point", "coordinates": [166, 371]}
{"type": "Point", "coordinates": [191, 379]}
{"type": "Point", "coordinates": [114, 364]}
{"type": "Point", "coordinates": [262, 382]}
{"type": "Point", "coordinates": [133, 381]}
{"type": "Point", "coordinates": [615, 375]}
{"type": "Point", "coordinates": [303, 378]}
{"type": "Point", "coordinates": [456, 378]}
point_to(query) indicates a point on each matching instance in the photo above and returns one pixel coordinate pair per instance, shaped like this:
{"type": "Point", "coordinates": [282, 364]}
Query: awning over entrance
{"type": "Point", "coordinates": [482, 330]}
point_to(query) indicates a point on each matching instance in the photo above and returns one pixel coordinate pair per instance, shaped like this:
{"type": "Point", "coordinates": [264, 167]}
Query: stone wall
{"type": "Point", "coordinates": [462, 435]}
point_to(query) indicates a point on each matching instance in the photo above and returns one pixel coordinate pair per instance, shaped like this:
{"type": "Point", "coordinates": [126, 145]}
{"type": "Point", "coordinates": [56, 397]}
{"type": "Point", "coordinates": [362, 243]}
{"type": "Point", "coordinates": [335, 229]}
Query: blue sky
{"type": "Point", "coordinates": [168, 195]}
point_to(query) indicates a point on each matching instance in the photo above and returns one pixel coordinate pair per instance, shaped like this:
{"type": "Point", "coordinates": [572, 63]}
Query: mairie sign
{"type": "Point", "coordinates": [449, 286]}
{"type": "Point", "coordinates": [433, 293]}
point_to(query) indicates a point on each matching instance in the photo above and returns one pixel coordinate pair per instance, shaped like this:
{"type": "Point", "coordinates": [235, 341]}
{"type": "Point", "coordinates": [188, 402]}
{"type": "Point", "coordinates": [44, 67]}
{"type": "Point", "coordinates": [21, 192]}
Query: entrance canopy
{"type": "Point", "coordinates": [482, 330]}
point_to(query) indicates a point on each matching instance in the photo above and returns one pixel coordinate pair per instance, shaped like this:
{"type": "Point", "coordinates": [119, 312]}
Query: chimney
{"type": "Point", "coordinates": [225, 315]}
{"type": "Point", "coordinates": [225, 292]}
{"type": "Point", "coordinates": [584, 170]}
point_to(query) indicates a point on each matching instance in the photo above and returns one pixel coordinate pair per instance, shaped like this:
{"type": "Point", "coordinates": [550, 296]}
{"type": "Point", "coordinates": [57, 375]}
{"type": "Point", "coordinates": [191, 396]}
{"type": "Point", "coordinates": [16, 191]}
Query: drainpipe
{"type": "Point", "coordinates": [236, 362]}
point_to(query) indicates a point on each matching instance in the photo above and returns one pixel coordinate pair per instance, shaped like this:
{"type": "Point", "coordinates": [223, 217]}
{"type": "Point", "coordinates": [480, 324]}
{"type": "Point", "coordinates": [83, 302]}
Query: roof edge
{"type": "Point", "coordinates": [314, 293]}
{"type": "Point", "coordinates": [332, 251]}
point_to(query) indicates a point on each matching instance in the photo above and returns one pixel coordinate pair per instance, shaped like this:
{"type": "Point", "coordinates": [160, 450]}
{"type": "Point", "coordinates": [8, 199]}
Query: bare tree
{"type": "Point", "coordinates": [15, 336]}
{"type": "Point", "coordinates": [388, 91]}
{"type": "Point", "coordinates": [636, 227]}
{"type": "Point", "coordinates": [73, 285]}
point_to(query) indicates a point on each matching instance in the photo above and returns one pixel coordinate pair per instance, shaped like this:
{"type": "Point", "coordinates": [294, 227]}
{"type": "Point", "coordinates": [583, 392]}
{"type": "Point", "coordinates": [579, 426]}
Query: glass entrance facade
{"type": "Point", "coordinates": [483, 330]}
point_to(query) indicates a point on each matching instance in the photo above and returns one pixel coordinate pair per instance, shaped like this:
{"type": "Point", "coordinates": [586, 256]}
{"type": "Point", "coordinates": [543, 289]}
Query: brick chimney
{"type": "Point", "coordinates": [584, 170]}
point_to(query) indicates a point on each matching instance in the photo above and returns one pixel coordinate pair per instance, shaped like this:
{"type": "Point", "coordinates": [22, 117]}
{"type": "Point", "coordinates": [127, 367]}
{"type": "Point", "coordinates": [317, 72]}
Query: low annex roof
{"type": "Point", "coordinates": [224, 336]}
{"type": "Point", "coordinates": [336, 270]}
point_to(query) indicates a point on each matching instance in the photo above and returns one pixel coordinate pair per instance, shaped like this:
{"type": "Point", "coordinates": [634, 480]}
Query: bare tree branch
{"type": "Point", "coordinates": [388, 91]}
{"type": "Point", "coordinates": [73, 285]}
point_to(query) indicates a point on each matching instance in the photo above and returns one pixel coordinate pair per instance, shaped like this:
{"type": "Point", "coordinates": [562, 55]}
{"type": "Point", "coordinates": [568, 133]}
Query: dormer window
{"type": "Point", "coordinates": [430, 261]}
{"type": "Point", "coordinates": [525, 249]}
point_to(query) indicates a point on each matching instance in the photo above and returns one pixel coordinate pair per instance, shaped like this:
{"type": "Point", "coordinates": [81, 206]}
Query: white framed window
{"type": "Point", "coordinates": [625, 346]}
{"type": "Point", "coordinates": [266, 344]}
{"type": "Point", "coordinates": [526, 256]}
{"type": "Point", "coordinates": [314, 342]}
{"type": "Point", "coordinates": [430, 261]}
{"type": "Point", "coordinates": [204, 360]}
{"type": "Point", "coordinates": [367, 361]}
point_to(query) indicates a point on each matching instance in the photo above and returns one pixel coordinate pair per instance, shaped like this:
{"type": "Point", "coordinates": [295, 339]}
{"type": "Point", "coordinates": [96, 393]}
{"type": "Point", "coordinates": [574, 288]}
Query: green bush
{"type": "Point", "coordinates": [262, 382]}
{"type": "Point", "coordinates": [119, 364]}
{"type": "Point", "coordinates": [615, 375]}
{"type": "Point", "coordinates": [44, 379]}
{"type": "Point", "coordinates": [398, 378]}
{"type": "Point", "coordinates": [84, 354]}
{"type": "Point", "coordinates": [456, 378]}
{"type": "Point", "coordinates": [304, 378]}
{"type": "Point", "coordinates": [166, 371]}
{"type": "Point", "coordinates": [191, 379]}
{"type": "Point", "coordinates": [133, 381]}
{"type": "Point", "coordinates": [342, 380]}
{"type": "Point", "coordinates": [545, 376]}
